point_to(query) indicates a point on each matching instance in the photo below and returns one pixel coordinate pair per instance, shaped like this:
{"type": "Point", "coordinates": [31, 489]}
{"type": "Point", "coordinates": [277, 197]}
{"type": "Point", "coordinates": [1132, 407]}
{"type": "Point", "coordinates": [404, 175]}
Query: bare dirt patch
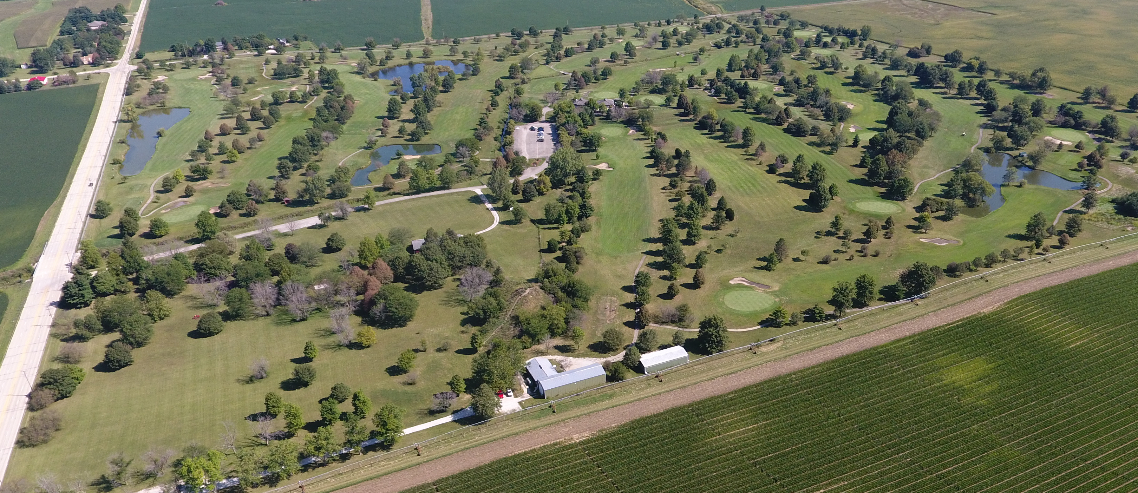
{"type": "Point", "coordinates": [592, 423]}
{"type": "Point", "coordinates": [606, 309]}
{"type": "Point", "coordinates": [940, 241]}
{"type": "Point", "coordinates": [744, 281]}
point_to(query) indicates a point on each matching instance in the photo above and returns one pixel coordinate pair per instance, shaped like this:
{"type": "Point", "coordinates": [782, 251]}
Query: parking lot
{"type": "Point", "coordinates": [526, 144]}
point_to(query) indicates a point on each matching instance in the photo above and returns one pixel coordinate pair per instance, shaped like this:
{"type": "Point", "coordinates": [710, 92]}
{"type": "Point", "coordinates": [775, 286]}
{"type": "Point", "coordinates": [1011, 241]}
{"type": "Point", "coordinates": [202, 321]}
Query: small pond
{"type": "Point", "coordinates": [143, 137]}
{"type": "Point", "coordinates": [404, 72]}
{"type": "Point", "coordinates": [381, 156]}
{"type": "Point", "coordinates": [1009, 172]}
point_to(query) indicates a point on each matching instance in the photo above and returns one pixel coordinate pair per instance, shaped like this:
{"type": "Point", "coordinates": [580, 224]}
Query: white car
{"type": "Point", "coordinates": [509, 392]}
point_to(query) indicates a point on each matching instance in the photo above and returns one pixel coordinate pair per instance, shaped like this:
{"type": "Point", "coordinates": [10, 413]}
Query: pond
{"type": "Point", "coordinates": [1011, 173]}
{"type": "Point", "coordinates": [404, 72]}
{"type": "Point", "coordinates": [143, 137]}
{"type": "Point", "coordinates": [383, 155]}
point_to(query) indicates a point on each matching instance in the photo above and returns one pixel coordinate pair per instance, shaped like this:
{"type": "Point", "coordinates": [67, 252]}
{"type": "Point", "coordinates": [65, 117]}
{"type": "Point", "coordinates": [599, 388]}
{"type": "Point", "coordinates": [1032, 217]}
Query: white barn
{"type": "Point", "coordinates": [663, 359]}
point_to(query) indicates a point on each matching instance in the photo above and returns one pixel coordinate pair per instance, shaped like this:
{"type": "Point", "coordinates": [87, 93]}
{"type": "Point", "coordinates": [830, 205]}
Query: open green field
{"type": "Point", "coordinates": [463, 18]}
{"type": "Point", "coordinates": [37, 161]}
{"type": "Point", "coordinates": [1011, 35]}
{"type": "Point", "coordinates": [1003, 401]}
{"type": "Point", "coordinates": [347, 21]}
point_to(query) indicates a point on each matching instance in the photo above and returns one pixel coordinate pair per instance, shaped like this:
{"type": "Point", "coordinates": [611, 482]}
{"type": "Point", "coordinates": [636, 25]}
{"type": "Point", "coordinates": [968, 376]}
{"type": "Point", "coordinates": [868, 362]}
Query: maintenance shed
{"type": "Point", "coordinates": [663, 359]}
{"type": "Point", "coordinates": [552, 385]}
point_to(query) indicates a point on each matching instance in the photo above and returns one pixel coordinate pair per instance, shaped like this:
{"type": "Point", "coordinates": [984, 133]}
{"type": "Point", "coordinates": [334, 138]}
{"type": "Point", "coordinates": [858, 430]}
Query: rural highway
{"type": "Point", "coordinates": [25, 352]}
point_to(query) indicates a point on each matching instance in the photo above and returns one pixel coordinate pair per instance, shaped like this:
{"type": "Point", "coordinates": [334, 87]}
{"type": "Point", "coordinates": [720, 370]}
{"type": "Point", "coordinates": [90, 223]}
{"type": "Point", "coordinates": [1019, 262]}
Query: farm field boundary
{"type": "Point", "coordinates": [525, 431]}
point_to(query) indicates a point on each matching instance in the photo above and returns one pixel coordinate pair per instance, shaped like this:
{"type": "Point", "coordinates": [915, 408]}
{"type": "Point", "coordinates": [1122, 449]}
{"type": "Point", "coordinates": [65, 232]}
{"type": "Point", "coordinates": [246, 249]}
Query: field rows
{"type": "Point", "coordinates": [1006, 401]}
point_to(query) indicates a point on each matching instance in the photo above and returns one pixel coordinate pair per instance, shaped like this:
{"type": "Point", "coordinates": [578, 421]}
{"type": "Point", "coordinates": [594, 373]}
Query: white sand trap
{"type": "Point", "coordinates": [160, 78]}
{"type": "Point", "coordinates": [848, 105]}
{"type": "Point", "coordinates": [604, 166]}
{"type": "Point", "coordinates": [206, 76]}
{"type": "Point", "coordinates": [753, 284]}
{"type": "Point", "coordinates": [940, 241]}
{"type": "Point", "coordinates": [1055, 141]}
{"type": "Point", "coordinates": [854, 128]}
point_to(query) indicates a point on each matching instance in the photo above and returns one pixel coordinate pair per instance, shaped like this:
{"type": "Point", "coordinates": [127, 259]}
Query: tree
{"type": "Point", "coordinates": [361, 404]}
{"type": "Point", "coordinates": [207, 226]}
{"type": "Point", "coordinates": [388, 421]}
{"type": "Point", "coordinates": [781, 250]}
{"type": "Point", "coordinates": [648, 340]}
{"type": "Point", "coordinates": [155, 305]}
{"type": "Point", "coordinates": [748, 138]}
{"type": "Point", "coordinates": [498, 364]}
{"type": "Point", "coordinates": [238, 304]}
{"type": "Point", "coordinates": [712, 337]}
{"type": "Point", "coordinates": [77, 292]}
{"type": "Point", "coordinates": [304, 374]}
{"type": "Point", "coordinates": [335, 242]}
{"type": "Point", "coordinates": [612, 339]}
{"type": "Point", "coordinates": [310, 351]}
{"type": "Point", "coordinates": [199, 468]}
{"type": "Point", "coordinates": [210, 324]}
{"type": "Point", "coordinates": [1073, 226]}
{"type": "Point", "coordinates": [842, 299]}
{"type": "Point", "coordinates": [118, 356]}
{"type": "Point", "coordinates": [102, 209]}
{"type": "Point", "coordinates": [274, 404]}
{"type": "Point", "coordinates": [365, 337]}
{"type": "Point", "coordinates": [699, 279]}
{"type": "Point", "coordinates": [917, 279]}
{"type": "Point", "coordinates": [485, 403]}
{"type": "Point", "coordinates": [631, 357]}
{"type": "Point", "coordinates": [564, 164]}
{"type": "Point", "coordinates": [865, 290]}
{"type": "Point", "coordinates": [329, 413]}
{"type": "Point", "coordinates": [281, 461]}
{"type": "Point", "coordinates": [406, 361]}
{"type": "Point", "coordinates": [395, 307]}
{"type": "Point", "coordinates": [293, 417]}
{"type": "Point", "coordinates": [159, 227]}
{"type": "Point", "coordinates": [1036, 229]}
{"type": "Point", "coordinates": [128, 225]}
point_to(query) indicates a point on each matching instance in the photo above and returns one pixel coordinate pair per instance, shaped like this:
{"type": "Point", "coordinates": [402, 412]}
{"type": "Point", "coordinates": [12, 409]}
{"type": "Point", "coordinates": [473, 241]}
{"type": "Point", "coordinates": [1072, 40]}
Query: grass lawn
{"type": "Point", "coordinates": [37, 162]}
{"type": "Point", "coordinates": [350, 21]}
{"type": "Point", "coordinates": [973, 400]}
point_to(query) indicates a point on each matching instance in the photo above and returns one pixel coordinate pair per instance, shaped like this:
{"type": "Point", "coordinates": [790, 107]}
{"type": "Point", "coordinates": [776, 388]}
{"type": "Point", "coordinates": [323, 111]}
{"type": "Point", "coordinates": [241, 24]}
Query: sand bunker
{"type": "Point", "coordinates": [1055, 141]}
{"type": "Point", "coordinates": [753, 284]}
{"type": "Point", "coordinates": [848, 105]}
{"type": "Point", "coordinates": [940, 241]}
{"type": "Point", "coordinates": [604, 166]}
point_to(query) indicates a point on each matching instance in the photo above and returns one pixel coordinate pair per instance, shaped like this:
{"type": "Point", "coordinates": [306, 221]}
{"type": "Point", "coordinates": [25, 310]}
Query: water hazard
{"type": "Point", "coordinates": [1009, 173]}
{"type": "Point", "coordinates": [383, 155]}
{"type": "Point", "coordinates": [143, 137]}
{"type": "Point", "coordinates": [404, 72]}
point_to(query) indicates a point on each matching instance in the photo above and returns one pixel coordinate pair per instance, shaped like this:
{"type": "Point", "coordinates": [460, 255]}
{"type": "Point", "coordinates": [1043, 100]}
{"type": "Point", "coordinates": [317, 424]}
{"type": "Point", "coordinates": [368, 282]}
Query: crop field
{"type": "Point", "coordinates": [998, 402]}
{"type": "Point", "coordinates": [348, 21]}
{"type": "Point", "coordinates": [738, 5]}
{"type": "Point", "coordinates": [463, 18]}
{"type": "Point", "coordinates": [37, 162]}
{"type": "Point", "coordinates": [1016, 36]}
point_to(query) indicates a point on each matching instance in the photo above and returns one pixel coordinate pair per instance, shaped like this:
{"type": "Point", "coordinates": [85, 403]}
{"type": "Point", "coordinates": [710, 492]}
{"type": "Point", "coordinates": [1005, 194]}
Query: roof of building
{"type": "Point", "coordinates": [664, 355]}
{"type": "Point", "coordinates": [417, 244]}
{"type": "Point", "coordinates": [96, 24]}
{"type": "Point", "coordinates": [540, 369]}
{"type": "Point", "coordinates": [572, 376]}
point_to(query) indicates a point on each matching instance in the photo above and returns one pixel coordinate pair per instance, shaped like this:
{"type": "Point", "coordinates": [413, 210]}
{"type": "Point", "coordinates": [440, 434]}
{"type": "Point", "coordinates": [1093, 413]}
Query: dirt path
{"type": "Point", "coordinates": [477, 456]}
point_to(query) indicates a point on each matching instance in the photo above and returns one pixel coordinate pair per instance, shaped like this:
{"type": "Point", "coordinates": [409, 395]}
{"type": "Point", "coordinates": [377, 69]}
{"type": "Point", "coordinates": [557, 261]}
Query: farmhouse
{"type": "Point", "coordinates": [663, 359]}
{"type": "Point", "coordinates": [95, 25]}
{"type": "Point", "coordinates": [551, 384]}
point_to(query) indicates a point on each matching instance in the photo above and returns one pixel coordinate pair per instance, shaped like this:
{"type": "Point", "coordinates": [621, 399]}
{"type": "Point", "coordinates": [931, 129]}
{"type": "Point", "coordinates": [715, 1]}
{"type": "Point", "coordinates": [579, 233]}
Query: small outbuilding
{"type": "Point", "coordinates": [663, 359]}
{"type": "Point", "coordinates": [96, 25]}
{"type": "Point", "coordinates": [552, 385]}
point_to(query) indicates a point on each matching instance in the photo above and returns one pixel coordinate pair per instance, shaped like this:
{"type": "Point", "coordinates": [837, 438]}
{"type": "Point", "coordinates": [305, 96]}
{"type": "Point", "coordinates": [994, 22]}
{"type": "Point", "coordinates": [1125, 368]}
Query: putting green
{"type": "Point", "coordinates": [598, 95]}
{"type": "Point", "coordinates": [613, 131]}
{"type": "Point", "coordinates": [1067, 134]}
{"type": "Point", "coordinates": [748, 300]}
{"type": "Point", "coordinates": [878, 207]}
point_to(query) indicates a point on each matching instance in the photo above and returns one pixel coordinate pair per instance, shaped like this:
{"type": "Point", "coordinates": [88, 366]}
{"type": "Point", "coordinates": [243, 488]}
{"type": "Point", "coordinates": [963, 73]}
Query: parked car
{"type": "Point", "coordinates": [531, 129]}
{"type": "Point", "coordinates": [509, 392]}
{"type": "Point", "coordinates": [540, 129]}
{"type": "Point", "coordinates": [539, 139]}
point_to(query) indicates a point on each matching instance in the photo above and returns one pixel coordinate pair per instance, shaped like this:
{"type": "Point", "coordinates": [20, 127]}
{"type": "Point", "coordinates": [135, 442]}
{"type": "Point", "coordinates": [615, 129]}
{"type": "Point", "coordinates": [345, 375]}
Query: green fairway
{"type": "Point", "coordinates": [747, 300]}
{"type": "Point", "coordinates": [37, 161]}
{"type": "Point", "coordinates": [348, 21]}
{"type": "Point", "coordinates": [998, 401]}
{"type": "Point", "coordinates": [878, 207]}
{"type": "Point", "coordinates": [462, 18]}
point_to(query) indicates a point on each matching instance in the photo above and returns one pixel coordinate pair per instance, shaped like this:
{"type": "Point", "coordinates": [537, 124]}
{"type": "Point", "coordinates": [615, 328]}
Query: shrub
{"type": "Point", "coordinates": [39, 429]}
{"type": "Point", "coordinates": [118, 356]}
{"type": "Point", "coordinates": [40, 398]}
{"type": "Point", "coordinates": [340, 392]}
{"type": "Point", "coordinates": [617, 372]}
{"type": "Point", "coordinates": [71, 353]}
{"type": "Point", "coordinates": [335, 242]}
{"type": "Point", "coordinates": [59, 380]}
{"type": "Point", "coordinates": [210, 324]}
{"type": "Point", "coordinates": [406, 361]}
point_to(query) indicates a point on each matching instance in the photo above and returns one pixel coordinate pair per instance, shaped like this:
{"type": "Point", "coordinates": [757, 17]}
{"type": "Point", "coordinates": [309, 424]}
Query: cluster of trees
{"type": "Point", "coordinates": [887, 156]}
{"type": "Point", "coordinates": [54, 384]}
{"type": "Point", "coordinates": [1021, 121]}
{"type": "Point", "coordinates": [77, 39]}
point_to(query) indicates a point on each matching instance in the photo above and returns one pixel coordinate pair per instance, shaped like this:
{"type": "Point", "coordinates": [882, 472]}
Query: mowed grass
{"type": "Point", "coordinates": [1004, 401]}
{"type": "Point", "coordinates": [463, 18]}
{"type": "Point", "coordinates": [348, 21]}
{"type": "Point", "coordinates": [40, 136]}
{"type": "Point", "coordinates": [1013, 36]}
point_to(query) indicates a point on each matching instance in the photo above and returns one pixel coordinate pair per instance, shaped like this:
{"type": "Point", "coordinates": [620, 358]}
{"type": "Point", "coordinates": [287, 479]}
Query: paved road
{"type": "Point", "coordinates": [22, 360]}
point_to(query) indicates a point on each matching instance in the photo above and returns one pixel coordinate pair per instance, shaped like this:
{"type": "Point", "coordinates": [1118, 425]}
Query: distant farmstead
{"type": "Point", "coordinates": [96, 25]}
{"type": "Point", "coordinates": [663, 359]}
{"type": "Point", "coordinates": [552, 385]}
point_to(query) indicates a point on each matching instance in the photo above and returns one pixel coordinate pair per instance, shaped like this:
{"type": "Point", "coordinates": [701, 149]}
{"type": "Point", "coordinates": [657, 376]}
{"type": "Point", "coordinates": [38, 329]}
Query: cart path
{"type": "Point", "coordinates": [592, 423]}
{"type": "Point", "coordinates": [1077, 202]}
{"type": "Point", "coordinates": [151, 197]}
{"type": "Point", "coordinates": [308, 222]}
{"type": "Point", "coordinates": [979, 138]}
